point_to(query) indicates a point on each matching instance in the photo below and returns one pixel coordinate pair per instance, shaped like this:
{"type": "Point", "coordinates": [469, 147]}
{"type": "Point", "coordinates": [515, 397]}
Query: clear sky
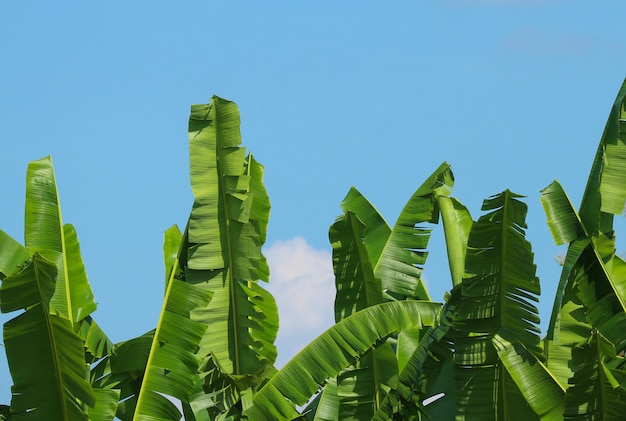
{"type": "Point", "coordinates": [332, 94]}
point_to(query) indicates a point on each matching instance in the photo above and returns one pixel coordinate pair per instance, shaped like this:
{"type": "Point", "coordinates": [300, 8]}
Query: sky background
{"type": "Point", "coordinates": [374, 95]}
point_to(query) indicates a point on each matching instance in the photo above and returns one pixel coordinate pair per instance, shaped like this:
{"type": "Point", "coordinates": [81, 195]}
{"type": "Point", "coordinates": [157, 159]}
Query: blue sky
{"type": "Point", "coordinates": [332, 94]}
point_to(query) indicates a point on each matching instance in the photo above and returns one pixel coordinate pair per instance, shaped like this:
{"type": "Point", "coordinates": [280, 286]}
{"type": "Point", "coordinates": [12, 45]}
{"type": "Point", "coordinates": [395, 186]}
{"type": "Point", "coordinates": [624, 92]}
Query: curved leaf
{"type": "Point", "coordinates": [332, 351]}
{"type": "Point", "coordinates": [400, 265]}
{"type": "Point", "coordinates": [376, 230]}
{"type": "Point", "coordinates": [357, 287]}
{"type": "Point", "coordinates": [563, 221]}
{"type": "Point", "coordinates": [605, 192]}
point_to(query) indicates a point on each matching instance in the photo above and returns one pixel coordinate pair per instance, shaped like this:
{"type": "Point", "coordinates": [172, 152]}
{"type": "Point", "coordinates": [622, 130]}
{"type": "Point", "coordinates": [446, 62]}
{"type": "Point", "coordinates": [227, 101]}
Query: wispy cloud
{"type": "Point", "coordinates": [302, 282]}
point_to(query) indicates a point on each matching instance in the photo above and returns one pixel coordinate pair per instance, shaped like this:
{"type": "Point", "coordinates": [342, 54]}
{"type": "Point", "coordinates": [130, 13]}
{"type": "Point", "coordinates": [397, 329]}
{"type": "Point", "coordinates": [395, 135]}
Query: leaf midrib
{"type": "Point", "coordinates": [53, 348]}
{"type": "Point", "coordinates": [229, 245]}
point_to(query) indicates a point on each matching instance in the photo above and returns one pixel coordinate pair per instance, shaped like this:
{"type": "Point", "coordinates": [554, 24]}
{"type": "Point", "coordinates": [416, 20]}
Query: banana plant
{"type": "Point", "coordinates": [585, 339]}
{"type": "Point", "coordinates": [365, 251]}
{"type": "Point", "coordinates": [47, 280]}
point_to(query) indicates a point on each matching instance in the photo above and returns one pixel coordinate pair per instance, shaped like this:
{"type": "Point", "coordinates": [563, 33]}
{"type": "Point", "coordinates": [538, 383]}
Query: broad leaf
{"type": "Point", "coordinates": [46, 357]}
{"type": "Point", "coordinates": [605, 192]}
{"type": "Point", "coordinates": [331, 352]}
{"type": "Point", "coordinates": [227, 228]}
{"type": "Point", "coordinates": [595, 394]}
{"type": "Point", "coordinates": [498, 292]}
{"type": "Point", "coordinates": [13, 257]}
{"type": "Point", "coordinates": [46, 234]}
{"type": "Point", "coordinates": [540, 389]}
{"type": "Point", "coordinates": [172, 364]}
{"type": "Point", "coordinates": [401, 262]}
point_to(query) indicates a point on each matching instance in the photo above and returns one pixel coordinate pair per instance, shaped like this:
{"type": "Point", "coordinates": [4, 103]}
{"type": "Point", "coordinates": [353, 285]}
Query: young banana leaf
{"type": "Point", "coordinates": [227, 228]}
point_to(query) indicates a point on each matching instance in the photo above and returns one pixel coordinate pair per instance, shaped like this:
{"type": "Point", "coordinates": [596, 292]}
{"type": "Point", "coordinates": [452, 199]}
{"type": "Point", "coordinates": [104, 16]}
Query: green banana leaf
{"type": "Point", "coordinates": [13, 256]}
{"type": "Point", "coordinates": [417, 382]}
{"type": "Point", "coordinates": [227, 228]}
{"type": "Point", "coordinates": [376, 232]}
{"type": "Point", "coordinates": [356, 392]}
{"type": "Point", "coordinates": [325, 406]}
{"type": "Point", "coordinates": [357, 287]}
{"type": "Point", "coordinates": [46, 357]}
{"type": "Point", "coordinates": [497, 293]}
{"type": "Point", "coordinates": [331, 352]}
{"type": "Point", "coordinates": [605, 191]}
{"type": "Point", "coordinates": [172, 365]}
{"type": "Point", "coordinates": [540, 388]}
{"type": "Point", "coordinates": [457, 223]}
{"type": "Point", "coordinates": [400, 265]}
{"type": "Point", "coordinates": [595, 393]}
{"type": "Point", "coordinates": [46, 234]}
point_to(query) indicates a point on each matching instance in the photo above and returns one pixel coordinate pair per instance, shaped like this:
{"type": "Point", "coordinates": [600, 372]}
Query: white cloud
{"type": "Point", "coordinates": [303, 284]}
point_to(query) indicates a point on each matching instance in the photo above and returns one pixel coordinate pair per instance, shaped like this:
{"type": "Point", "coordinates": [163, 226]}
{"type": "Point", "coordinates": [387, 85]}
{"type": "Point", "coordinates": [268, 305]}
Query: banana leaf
{"type": "Point", "coordinates": [594, 392]}
{"type": "Point", "coordinates": [498, 292]}
{"type": "Point", "coordinates": [401, 262]}
{"type": "Point", "coordinates": [172, 365]}
{"type": "Point", "coordinates": [46, 234]}
{"type": "Point", "coordinates": [331, 352]}
{"type": "Point", "coordinates": [227, 228]}
{"type": "Point", "coordinates": [46, 357]}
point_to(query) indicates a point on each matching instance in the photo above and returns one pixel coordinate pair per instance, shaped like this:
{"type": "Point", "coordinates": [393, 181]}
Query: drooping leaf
{"type": "Point", "coordinates": [332, 351]}
{"type": "Point", "coordinates": [563, 220]}
{"type": "Point", "coordinates": [357, 287]}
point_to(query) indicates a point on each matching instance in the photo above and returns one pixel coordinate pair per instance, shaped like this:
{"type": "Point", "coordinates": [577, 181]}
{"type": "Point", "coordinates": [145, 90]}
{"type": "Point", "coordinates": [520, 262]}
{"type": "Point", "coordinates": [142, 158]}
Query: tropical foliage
{"type": "Point", "coordinates": [393, 352]}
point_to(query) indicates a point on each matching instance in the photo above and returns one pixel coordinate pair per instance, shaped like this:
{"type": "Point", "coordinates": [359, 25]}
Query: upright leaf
{"type": "Point", "coordinates": [227, 228]}
{"type": "Point", "coordinates": [172, 365]}
{"type": "Point", "coordinates": [46, 234]}
{"type": "Point", "coordinates": [498, 292]}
